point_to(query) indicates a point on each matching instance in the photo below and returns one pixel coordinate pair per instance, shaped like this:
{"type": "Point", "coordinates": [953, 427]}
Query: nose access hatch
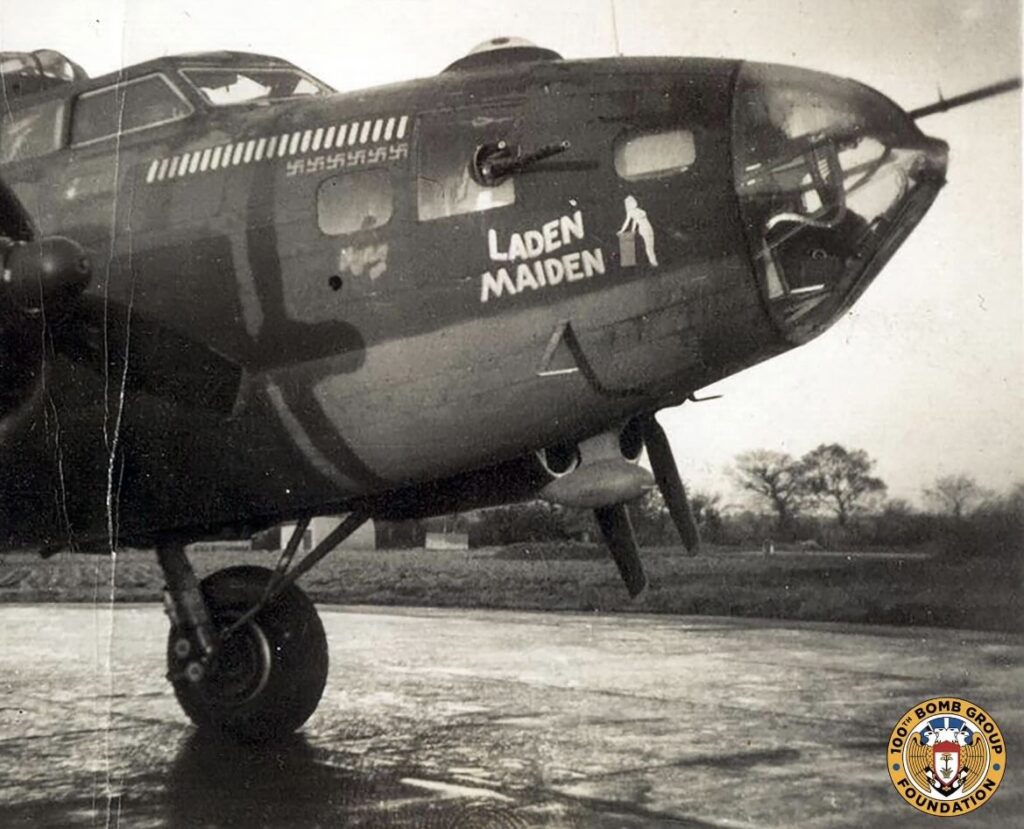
{"type": "Point", "coordinates": [831, 177]}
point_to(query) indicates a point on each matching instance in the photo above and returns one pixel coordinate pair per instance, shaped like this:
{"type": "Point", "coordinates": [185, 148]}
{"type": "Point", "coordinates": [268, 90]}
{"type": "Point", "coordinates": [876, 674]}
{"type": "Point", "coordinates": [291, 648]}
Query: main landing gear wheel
{"type": "Point", "coordinates": [266, 678]}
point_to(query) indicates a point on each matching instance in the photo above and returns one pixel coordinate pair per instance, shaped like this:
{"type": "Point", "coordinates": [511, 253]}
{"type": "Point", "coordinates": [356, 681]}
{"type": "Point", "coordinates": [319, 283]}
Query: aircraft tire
{"type": "Point", "coordinates": [270, 675]}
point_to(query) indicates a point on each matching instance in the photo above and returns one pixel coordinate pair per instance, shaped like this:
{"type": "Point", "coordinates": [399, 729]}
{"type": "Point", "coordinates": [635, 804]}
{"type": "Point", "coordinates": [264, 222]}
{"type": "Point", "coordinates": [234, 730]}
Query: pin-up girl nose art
{"type": "Point", "coordinates": [636, 223]}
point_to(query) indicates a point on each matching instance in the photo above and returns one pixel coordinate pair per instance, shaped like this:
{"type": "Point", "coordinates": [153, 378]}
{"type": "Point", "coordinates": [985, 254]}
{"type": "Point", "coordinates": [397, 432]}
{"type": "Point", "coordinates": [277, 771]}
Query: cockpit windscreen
{"type": "Point", "coordinates": [227, 87]}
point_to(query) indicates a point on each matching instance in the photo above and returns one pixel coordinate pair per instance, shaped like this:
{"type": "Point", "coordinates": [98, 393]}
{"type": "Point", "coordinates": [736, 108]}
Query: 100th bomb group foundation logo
{"type": "Point", "coordinates": [946, 756]}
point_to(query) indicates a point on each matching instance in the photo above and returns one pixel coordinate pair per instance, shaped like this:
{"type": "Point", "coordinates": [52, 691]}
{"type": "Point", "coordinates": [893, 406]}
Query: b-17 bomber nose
{"type": "Point", "coordinates": [831, 176]}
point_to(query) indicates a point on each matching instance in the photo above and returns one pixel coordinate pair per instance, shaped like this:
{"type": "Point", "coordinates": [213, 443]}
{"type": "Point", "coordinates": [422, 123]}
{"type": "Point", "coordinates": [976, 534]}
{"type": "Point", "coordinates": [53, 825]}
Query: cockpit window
{"type": "Point", "coordinates": [135, 105]}
{"type": "Point", "coordinates": [25, 73]}
{"type": "Point", "coordinates": [18, 63]}
{"type": "Point", "coordinates": [45, 62]}
{"type": "Point", "coordinates": [655, 154]}
{"type": "Point", "coordinates": [226, 87]}
{"type": "Point", "coordinates": [55, 65]}
{"type": "Point", "coordinates": [31, 132]}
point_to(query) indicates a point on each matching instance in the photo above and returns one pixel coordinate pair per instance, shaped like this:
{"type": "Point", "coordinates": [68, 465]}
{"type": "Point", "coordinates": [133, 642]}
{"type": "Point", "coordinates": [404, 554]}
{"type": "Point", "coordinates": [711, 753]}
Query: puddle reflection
{"type": "Point", "coordinates": [223, 783]}
{"type": "Point", "coordinates": [216, 782]}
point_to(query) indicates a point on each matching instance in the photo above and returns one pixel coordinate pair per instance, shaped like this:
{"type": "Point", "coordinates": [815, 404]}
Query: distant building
{"type": "Point", "coordinates": [243, 545]}
{"type": "Point", "coordinates": [447, 541]}
{"type": "Point", "coordinates": [447, 532]}
{"type": "Point", "coordinates": [365, 538]}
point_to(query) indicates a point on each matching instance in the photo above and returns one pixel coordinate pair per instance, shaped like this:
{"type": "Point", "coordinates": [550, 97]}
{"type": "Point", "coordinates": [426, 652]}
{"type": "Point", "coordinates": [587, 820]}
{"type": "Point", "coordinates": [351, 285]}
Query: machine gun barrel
{"type": "Point", "coordinates": [944, 104]}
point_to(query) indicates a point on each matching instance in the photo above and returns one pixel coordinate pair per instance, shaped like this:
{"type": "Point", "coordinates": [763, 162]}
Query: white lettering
{"type": "Point", "coordinates": [593, 262]}
{"type": "Point", "coordinates": [516, 248]}
{"type": "Point", "coordinates": [495, 284]}
{"type": "Point", "coordinates": [530, 244]}
{"type": "Point", "coordinates": [551, 238]}
{"type": "Point", "coordinates": [535, 269]}
{"type": "Point", "coordinates": [572, 226]}
{"type": "Point", "coordinates": [572, 266]}
{"type": "Point", "coordinates": [542, 273]}
{"type": "Point", "coordinates": [534, 243]}
{"type": "Point", "coordinates": [554, 271]}
{"type": "Point", "coordinates": [492, 247]}
{"type": "Point", "coordinates": [524, 278]}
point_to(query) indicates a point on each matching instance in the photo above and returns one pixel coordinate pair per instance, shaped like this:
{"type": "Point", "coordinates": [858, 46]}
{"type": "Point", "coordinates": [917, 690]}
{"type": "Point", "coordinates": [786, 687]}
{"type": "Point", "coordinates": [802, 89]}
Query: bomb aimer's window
{"type": "Point", "coordinates": [830, 177]}
{"type": "Point", "coordinates": [655, 154]}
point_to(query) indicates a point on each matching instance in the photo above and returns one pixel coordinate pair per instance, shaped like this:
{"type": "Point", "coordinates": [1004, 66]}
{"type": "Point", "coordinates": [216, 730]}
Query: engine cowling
{"type": "Point", "coordinates": [43, 276]}
{"type": "Point", "coordinates": [598, 472]}
{"type": "Point", "coordinates": [41, 279]}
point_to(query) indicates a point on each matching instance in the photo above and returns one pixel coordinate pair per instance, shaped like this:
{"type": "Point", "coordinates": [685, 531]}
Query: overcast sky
{"type": "Point", "coordinates": [925, 373]}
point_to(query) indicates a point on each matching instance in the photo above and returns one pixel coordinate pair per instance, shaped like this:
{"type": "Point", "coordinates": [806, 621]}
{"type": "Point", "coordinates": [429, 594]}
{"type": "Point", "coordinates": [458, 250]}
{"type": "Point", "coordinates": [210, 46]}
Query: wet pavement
{"type": "Point", "coordinates": [446, 718]}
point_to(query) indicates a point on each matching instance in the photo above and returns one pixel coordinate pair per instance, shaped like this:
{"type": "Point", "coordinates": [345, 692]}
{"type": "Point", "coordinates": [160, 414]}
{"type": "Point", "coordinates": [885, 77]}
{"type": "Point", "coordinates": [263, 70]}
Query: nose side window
{"type": "Point", "coordinates": [655, 154]}
{"type": "Point", "coordinates": [351, 202]}
{"type": "Point", "coordinates": [445, 184]}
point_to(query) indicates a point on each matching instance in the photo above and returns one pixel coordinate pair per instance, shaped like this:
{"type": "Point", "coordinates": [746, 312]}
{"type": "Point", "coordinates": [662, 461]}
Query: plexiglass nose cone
{"type": "Point", "coordinates": [831, 177]}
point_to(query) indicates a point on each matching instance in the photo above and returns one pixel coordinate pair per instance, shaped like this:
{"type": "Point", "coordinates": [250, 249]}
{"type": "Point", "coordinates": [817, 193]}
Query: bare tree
{"type": "Point", "coordinates": [651, 518]}
{"type": "Point", "coordinates": [956, 495]}
{"type": "Point", "coordinates": [840, 479]}
{"type": "Point", "coordinates": [705, 506]}
{"type": "Point", "coordinates": [652, 512]}
{"type": "Point", "coordinates": [707, 511]}
{"type": "Point", "coordinates": [775, 480]}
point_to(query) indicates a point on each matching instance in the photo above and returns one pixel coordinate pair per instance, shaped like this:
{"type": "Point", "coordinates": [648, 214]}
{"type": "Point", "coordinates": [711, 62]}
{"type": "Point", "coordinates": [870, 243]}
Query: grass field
{"type": "Point", "coordinates": [894, 588]}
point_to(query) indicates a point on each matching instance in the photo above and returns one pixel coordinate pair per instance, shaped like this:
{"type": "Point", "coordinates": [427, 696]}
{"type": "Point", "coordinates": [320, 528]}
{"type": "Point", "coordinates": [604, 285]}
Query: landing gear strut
{"type": "Point", "coordinates": [247, 653]}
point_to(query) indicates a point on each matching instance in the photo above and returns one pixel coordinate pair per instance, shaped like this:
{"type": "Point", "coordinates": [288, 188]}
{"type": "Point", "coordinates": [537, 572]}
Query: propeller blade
{"type": "Point", "coordinates": [670, 484]}
{"type": "Point", "coordinates": [617, 530]}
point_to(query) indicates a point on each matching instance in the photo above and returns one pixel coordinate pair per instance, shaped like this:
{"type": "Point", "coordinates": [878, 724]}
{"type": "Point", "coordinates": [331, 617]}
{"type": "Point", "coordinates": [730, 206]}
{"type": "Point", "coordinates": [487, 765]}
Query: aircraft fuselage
{"type": "Point", "coordinates": [321, 304]}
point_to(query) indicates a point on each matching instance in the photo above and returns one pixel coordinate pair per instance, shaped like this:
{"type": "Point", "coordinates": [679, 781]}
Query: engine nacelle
{"type": "Point", "coordinates": [39, 281]}
{"type": "Point", "coordinates": [44, 275]}
{"type": "Point", "coordinates": [597, 472]}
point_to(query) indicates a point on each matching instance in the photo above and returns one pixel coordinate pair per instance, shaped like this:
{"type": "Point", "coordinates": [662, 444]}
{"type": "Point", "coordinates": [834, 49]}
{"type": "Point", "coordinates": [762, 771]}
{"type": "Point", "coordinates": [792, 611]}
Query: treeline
{"type": "Point", "coordinates": [828, 499]}
{"type": "Point", "coordinates": [831, 497]}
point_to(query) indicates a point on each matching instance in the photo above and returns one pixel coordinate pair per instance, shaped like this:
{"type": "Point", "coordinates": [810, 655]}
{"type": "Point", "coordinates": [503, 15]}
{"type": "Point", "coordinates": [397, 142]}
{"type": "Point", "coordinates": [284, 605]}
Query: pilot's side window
{"type": "Point", "coordinates": [135, 105]}
{"type": "Point", "coordinates": [445, 185]}
{"type": "Point", "coordinates": [27, 133]}
{"type": "Point", "coordinates": [354, 201]}
{"type": "Point", "coordinates": [655, 154]}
